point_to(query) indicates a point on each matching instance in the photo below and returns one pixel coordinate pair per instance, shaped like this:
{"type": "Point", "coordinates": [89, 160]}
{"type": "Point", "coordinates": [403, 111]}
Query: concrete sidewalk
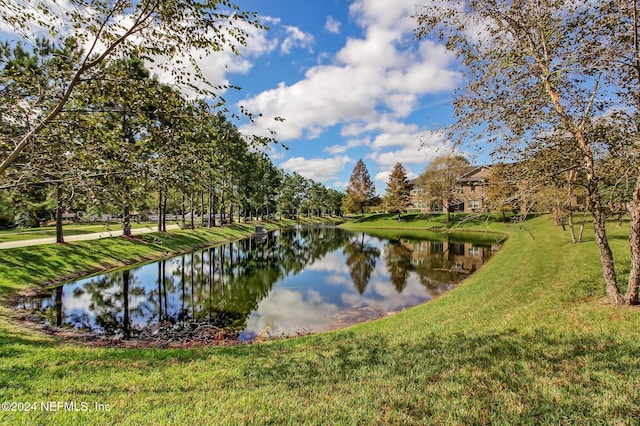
{"type": "Point", "coordinates": [82, 237]}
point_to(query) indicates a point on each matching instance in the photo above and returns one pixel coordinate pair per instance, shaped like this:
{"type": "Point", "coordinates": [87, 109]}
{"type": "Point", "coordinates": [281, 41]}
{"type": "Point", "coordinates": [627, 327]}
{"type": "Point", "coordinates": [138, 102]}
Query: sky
{"type": "Point", "coordinates": [351, 82]}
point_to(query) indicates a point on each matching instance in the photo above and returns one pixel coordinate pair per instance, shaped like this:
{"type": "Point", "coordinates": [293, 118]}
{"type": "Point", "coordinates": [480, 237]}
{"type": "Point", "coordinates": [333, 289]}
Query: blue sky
{"type": "Point", "coordinates": [351, 82]}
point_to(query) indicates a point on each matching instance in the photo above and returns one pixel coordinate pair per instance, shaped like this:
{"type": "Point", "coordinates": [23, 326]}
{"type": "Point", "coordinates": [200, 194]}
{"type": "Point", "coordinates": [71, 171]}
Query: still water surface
{"type": "Point", "coordinates": [292, 281]}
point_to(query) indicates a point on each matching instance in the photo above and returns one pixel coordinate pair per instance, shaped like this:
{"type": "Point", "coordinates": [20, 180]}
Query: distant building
{"type": "Point", "coordinates": [471, 190]}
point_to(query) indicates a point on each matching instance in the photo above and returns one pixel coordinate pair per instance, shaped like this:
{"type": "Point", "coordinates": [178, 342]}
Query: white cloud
{"type": "Point", "coordinates": [405, 156]}
{"type": "Point", "coordinates": [382, 176]}
{"type": "Point", "coordinates": [332, 25]}
{"type": "Point", "coordinates": [287, 311]}
{"type": "Point", "coordinates": [318, 169]}
{"type": "Point", "coordinates": [339, 149]}
{"type": "Point", "coordinates": [332, 262]}
{"type": "Point", "coordinates": [413, 151]}
{"type": "Point", "coordinates": [295, 37]}
{"type": "Point", "coordinates": [383, 73]}
{"type": "Point", "coordinates": [379, 13]}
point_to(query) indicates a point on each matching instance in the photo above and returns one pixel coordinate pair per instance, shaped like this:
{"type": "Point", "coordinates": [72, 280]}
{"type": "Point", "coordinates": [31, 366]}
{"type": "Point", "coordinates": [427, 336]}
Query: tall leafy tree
{"type": "Point", "coordinates": [123, 100]}
{"type": "Point", "coordinates": [360, 190]}
{"type": "Point", "coordinates": [25, 76]}
{"type": "Point", "coordinates": [166, 122]}
{"type": "Point", "coordinates": [292, 194]}
{"type": "Point", "coordinates": [336, 199]}
{"type": "Point", "coordinates": [397, 196]}
{"type": "Point", "coordinates": [622, 20]}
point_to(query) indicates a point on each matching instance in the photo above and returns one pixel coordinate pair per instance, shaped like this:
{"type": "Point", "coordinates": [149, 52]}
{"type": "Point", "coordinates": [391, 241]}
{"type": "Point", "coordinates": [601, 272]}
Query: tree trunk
{"type": "Point", "coordinates": [59, 231]}
{"type": "Point", "coordinates": [584, 220]}
{"type": "Point", "coordinates": [164, 210]}
{"type": "Point", "coordinates": [126, 215]}
{"type": "Point", "coordinates": [606, 257]}
{"type": "Point", "coordinates": [184, 219]}
{"type": "Point", "coordinates": [160, 210]}
{"type": "Point", "coordinates": [126, 220]}
{"type": "Point", "coordinates": [202, 208]}
{"type": "Point", "coordinates": [572, 226]}
{"type": "Point", "coordinates": [211, 212]}
{"type": "Point", "coordinates": [222, 208]}
{"type": "Point", "coordinates": [631, 296]}
{"type": "Point", "coordinates": [448, 208]}
{"type": "Point", "coordinates": [570, 179]}
{"type": "Point", "coordinates": [192, 212]}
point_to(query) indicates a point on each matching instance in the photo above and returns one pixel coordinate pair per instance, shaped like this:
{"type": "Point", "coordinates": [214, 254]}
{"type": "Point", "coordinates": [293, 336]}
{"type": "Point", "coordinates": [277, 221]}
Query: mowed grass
{"type": "Point", "coordinates": [18, 234]}
{"type": "Point", "coordinates": [528, 339]}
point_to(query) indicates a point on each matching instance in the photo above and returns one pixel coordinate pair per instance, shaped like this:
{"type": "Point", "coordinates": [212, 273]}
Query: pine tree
{"type": "Point", "coordinates": [360, 191]}
{"type": "Point", "coordinates": [397, 197]}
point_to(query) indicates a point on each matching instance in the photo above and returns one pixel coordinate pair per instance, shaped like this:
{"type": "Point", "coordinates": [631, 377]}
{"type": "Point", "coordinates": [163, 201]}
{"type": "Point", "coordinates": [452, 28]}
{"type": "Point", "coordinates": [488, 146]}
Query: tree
{"type": "Point", "coordinates": [292, 194]}
{"type": "Point", "coordinates": [335, 201]}
{"type": "Point", "coordinates": [397, 196]}
{"type": "Point", "coordinates": [535, 68]}
{"type": "Point", "coordinates": [123, 101]}
{"type": "Point", "coordinates": [360, 190]}
{"type": "Point", "coordinates": [164, 31]}
{"type": "Point", "coordinates": [623, 21]}
{"type": "Point", "coordinates": [26, 75]}
{"type": "Point", "coordinates": [441, 178]}
{"type": "Point", "coordinates": [502, 189]}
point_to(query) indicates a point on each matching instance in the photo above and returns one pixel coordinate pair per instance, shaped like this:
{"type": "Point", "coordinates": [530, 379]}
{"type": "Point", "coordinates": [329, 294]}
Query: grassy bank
{"type": "Point", "coordinates": [527, 340]}
{"type": "Point", "coordinates": [18, 234]}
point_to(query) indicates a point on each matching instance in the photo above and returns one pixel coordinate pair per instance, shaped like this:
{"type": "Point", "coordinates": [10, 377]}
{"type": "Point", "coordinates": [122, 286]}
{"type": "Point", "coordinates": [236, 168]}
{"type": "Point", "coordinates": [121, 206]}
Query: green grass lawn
{"type": "Point", "coordinates": [16, 234]}
{"type": "Point", "coordinates": [528, 339]}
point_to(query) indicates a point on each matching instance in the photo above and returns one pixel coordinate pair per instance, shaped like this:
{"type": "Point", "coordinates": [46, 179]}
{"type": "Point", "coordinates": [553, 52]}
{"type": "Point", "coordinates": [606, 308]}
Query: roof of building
{"type": "Point", "coordinates": [469, 175]}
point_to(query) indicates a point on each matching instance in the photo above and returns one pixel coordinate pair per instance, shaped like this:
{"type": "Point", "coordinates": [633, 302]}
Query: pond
{"type": "Point", "coordinates": [285, 283]}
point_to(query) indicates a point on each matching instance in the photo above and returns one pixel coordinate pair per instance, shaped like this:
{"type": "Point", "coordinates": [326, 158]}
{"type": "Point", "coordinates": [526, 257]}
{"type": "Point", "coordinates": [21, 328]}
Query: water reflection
{"type": "Point", "coordinates": [301, 279]}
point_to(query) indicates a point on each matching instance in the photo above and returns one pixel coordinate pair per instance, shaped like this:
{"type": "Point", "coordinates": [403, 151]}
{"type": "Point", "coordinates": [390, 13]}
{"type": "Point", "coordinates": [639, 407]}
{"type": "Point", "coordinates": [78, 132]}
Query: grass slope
{"type": "Point", "coordinates": [526, 340]}
{"type": "Point", "coordinates": [17, 234]}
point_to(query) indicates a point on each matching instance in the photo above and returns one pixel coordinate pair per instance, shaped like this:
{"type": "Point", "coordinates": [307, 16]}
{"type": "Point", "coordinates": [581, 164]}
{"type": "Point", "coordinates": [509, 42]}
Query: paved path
{"type": "Point", "coordinates": [81, 237]}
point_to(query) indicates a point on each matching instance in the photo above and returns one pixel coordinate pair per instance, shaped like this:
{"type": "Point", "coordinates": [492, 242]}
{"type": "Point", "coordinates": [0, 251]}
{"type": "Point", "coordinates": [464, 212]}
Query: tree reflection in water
{"type": "Point", "coordinates": [298, 278]}
{"type": "Point", "coordinates": [361, 259]}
